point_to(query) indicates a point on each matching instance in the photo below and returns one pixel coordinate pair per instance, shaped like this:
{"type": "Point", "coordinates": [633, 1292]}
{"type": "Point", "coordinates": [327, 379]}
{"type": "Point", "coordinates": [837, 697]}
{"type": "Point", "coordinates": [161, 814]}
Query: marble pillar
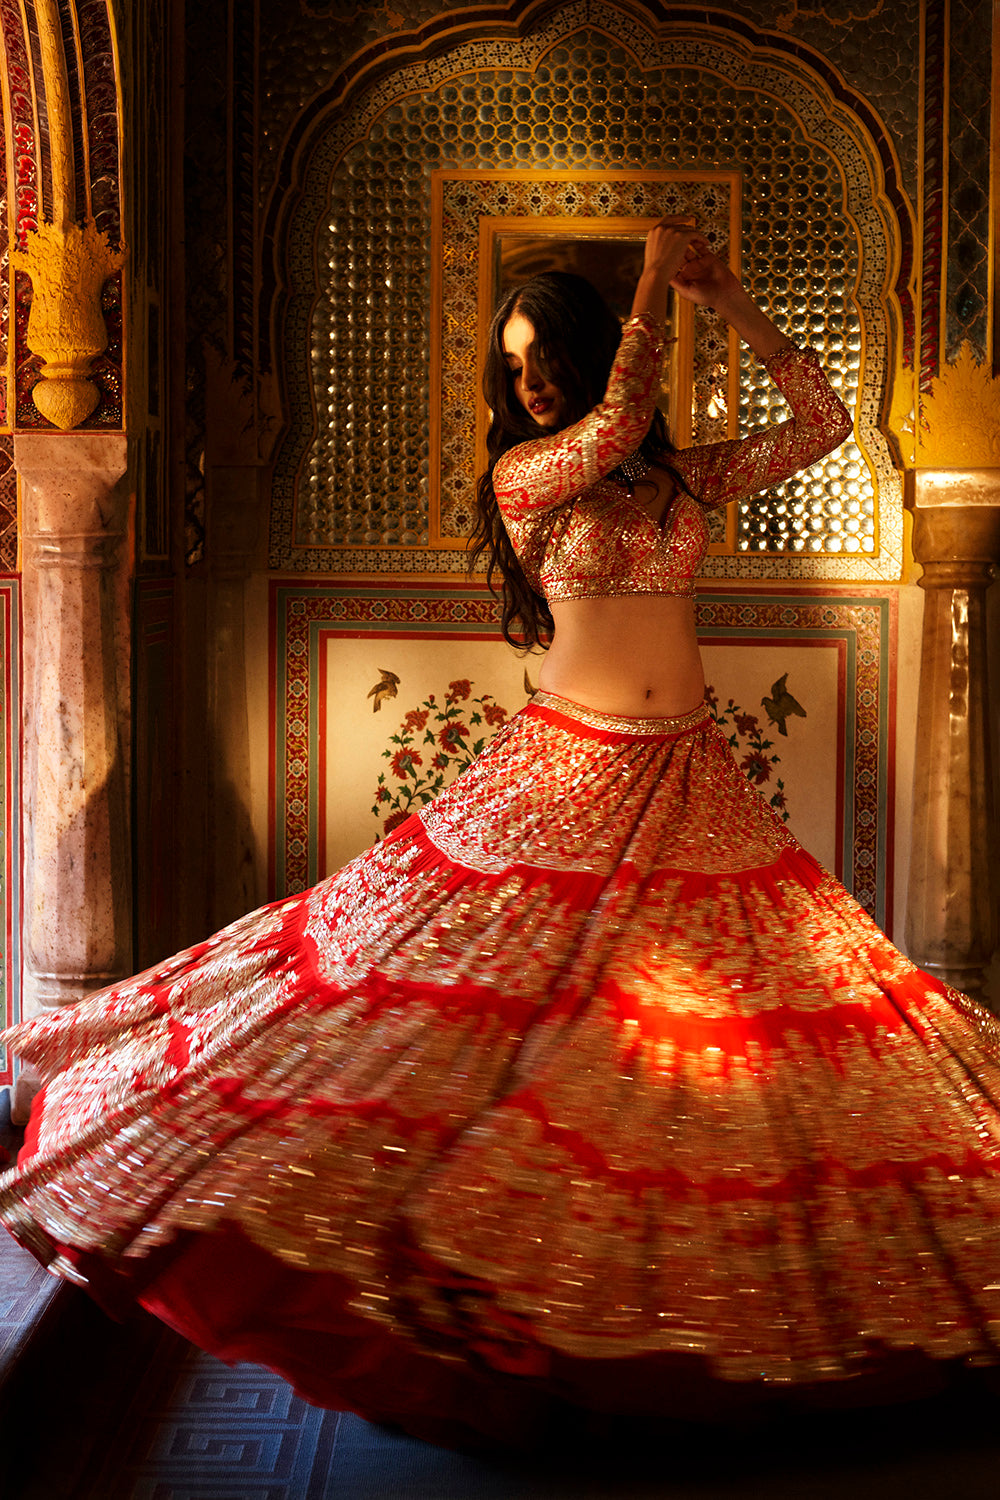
{"type": "Point", "coordinates": [75, 590]}
{"type": "Point", "coordinates": [952, 899]}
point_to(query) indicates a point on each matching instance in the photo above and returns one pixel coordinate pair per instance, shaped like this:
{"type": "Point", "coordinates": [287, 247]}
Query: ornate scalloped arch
{"type": "Point", "coordinates": [749, 61]}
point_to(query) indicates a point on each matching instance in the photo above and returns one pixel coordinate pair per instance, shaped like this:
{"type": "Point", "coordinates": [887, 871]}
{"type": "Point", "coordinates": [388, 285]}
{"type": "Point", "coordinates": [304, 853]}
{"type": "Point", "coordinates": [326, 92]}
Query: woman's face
{"type": "Point", "coordinates": [542, 400]}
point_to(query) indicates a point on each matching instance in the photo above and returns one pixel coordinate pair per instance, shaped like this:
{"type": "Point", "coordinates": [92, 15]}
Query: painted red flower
{"type": "Point", "coordinates": [711, 696]}
{"type": "Point", "coordinates": [493, 713]}
{"type": "Point", "coordinates": [415, 720]}
{"type": "Point", "coordinates": [383, 794]}
{"type": "Point", "coordinates": [450, 737]}
{"type": "Point", "coordinates": [757, 767]}
{"type": "Point", "coordinates": [394, 820]}
{"type": "Point", "coordinates": [459, 689]}
{"type": "Point", "coordinates": [403, 761]}
{"type": "Point", "coordinates": [439, 762]}
{"type": "Point", "coordinates": [779, 800]}
{"type": "Point", "coordinates": [746, 723]}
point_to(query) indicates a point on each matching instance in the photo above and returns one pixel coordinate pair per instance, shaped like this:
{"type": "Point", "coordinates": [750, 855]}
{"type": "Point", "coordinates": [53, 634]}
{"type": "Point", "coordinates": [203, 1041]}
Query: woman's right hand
{"type": "Point", "coordinates": [672, 245]}
{"type": "Point", "coordinates": [669, 244]}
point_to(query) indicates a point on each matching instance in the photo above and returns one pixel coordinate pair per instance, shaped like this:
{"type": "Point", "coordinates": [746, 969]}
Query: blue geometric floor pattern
{"type": "Point", "coordinates": [209, 1431]}
{"type": "Point", "coordinates": [212, 1432]}
{"type": "Point", "coordinates": [195, 1429]}
{"type": "Point", "coordinates": [26, 1288]}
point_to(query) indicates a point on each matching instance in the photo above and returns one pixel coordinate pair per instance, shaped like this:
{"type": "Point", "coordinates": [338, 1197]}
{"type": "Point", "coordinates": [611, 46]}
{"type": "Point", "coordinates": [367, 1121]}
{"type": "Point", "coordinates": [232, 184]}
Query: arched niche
{"type": "Point", "coordinates": [374, 323]}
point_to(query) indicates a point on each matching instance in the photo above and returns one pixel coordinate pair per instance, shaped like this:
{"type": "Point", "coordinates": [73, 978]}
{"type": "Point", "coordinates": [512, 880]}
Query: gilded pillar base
{"type": "Point", "coordinates": [76, 930]}
{"type": "Point", "coordinates": [952, 896]}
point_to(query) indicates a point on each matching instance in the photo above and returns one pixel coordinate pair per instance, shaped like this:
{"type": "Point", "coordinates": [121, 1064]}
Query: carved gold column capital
{"type": "Point", "coordinates": [68, 262]}
{"type": "Point", "coordinates": [68, 265]}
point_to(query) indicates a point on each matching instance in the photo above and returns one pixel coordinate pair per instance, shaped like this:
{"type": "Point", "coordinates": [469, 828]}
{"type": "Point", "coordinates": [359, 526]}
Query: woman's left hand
{"type": "Point", "coordinates": [704, 278]}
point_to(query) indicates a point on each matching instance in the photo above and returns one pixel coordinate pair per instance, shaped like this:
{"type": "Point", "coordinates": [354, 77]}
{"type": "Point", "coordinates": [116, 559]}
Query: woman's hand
{"type": "Point", "coordinates": [706, 280]}
{"type": "Point", "coordinates": [669, 244]}
{"type": "Point", "coordinates": [679, 257]}
{"type": "Point", "coordinates": [702, 277]}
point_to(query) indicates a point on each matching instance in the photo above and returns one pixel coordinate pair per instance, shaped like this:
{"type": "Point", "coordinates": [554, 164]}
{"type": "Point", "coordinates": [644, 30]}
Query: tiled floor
{"type": "Point", "coordinates": [25, 1292]}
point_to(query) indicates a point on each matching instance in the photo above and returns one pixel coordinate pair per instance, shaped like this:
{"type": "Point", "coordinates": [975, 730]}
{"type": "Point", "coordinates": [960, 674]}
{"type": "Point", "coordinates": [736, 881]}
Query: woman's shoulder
{"type": "Point", "coordinates": [519, 453]}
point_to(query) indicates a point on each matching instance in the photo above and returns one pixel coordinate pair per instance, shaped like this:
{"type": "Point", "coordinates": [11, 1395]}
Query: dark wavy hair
{"type": "Point", "coordinates": [576, 338]}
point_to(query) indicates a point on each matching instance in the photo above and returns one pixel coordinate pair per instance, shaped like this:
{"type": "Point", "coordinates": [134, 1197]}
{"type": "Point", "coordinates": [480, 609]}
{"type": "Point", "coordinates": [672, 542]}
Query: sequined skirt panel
{"type": "Point", "coordinates": [590, 1058]}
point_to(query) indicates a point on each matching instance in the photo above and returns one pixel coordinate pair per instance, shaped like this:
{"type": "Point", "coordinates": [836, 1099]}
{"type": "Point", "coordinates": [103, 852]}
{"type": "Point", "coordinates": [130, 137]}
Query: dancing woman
{"type": "Point", "coordinates": [587, 1084]}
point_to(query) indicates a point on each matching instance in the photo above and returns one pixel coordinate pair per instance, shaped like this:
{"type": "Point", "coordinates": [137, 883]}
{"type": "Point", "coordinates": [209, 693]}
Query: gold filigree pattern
{"type": "Point", "coordinates": [597, 718]}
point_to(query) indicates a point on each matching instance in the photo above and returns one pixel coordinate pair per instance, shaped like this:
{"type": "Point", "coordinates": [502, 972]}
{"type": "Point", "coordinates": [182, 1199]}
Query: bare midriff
{"type": "Point", "coordinates": [635, 655]}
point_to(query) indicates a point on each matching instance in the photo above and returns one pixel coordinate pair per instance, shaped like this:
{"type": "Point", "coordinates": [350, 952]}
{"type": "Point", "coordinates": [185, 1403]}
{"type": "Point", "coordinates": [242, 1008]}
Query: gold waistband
{"type": "Point", "coordinates": [595, 718]}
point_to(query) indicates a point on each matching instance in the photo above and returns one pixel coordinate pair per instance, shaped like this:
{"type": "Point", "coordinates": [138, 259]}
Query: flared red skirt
{"type": "Point", "coordinates": [587, 1079]}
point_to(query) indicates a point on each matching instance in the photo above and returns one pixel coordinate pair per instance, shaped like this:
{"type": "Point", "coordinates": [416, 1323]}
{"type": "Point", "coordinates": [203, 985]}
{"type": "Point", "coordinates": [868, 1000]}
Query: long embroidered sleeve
{"type": "Point", "coordinates": [720, 472]}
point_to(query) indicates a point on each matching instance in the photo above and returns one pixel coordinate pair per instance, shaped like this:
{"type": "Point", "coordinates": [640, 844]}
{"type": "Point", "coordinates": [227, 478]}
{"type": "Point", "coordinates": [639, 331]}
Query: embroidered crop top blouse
{"type": "Point", "coordinates": [580, 535]}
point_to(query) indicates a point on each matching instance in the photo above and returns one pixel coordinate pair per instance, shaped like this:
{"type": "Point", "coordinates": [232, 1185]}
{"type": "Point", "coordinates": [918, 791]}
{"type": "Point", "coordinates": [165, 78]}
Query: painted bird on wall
{"type": "Point", "coordinates": [386, 687]}
{"type": "Point", "coordinates": [781, 704]}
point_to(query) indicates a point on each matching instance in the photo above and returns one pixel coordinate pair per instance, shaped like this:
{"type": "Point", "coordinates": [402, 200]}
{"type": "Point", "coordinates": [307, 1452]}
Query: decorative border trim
{"type": "Point", "coordinates": [305, 614]}
{"type": "Point", "coordinates": [933, 173]}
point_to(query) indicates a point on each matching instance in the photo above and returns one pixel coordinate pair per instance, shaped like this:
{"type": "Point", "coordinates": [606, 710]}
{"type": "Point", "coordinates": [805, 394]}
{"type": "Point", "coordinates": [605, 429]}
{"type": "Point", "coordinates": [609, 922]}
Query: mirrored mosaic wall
{"type": "Point", "coordinates": [875, 47]}
{"type": "Point", "coordinates": [353, 477]}
{"type": "Point", "coordinates": [831, 509]}
{"type": "Point", "coordinates": [467, 199]}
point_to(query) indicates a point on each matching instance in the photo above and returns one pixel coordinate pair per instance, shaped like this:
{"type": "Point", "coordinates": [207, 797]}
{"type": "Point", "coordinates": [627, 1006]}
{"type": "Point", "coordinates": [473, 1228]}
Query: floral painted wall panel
{"type": "Point", "coordinates": [386, 692]}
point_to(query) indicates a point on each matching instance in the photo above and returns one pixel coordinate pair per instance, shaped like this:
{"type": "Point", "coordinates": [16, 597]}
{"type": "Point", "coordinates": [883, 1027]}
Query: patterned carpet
{"type": "Point", "coordinates": [143, 1416]}
{"type": "Point", "coordinates": [26, 1291]}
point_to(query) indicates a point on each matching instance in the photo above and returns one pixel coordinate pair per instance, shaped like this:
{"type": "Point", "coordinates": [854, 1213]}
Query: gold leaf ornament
{"type": "Point", "coordinates": [959, 426]}
{"type": "Point", "coordinates": [68, 265]}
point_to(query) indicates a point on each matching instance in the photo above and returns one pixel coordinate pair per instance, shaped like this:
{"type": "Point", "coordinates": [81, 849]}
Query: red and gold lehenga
{"type": "Point", "coordinates": [587, 1084]}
